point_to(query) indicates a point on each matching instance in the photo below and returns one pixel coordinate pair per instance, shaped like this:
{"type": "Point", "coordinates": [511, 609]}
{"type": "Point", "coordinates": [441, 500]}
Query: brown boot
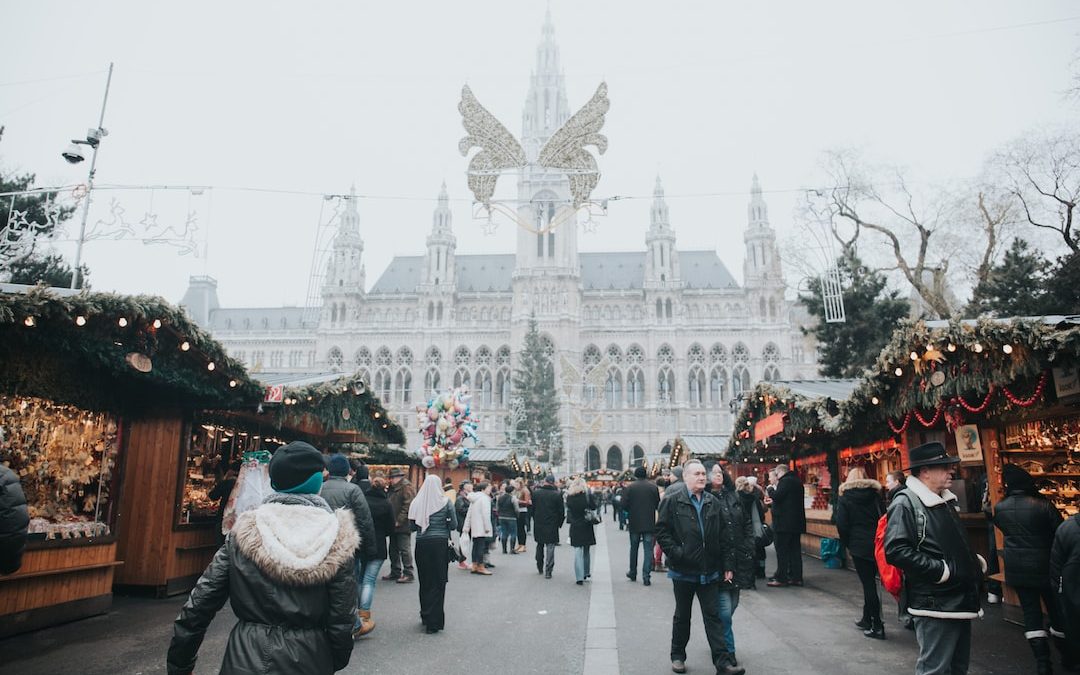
{"type": "Point", "coordinates": [480, 569]}
{"type": "Point", "coordinates": [366, 624]}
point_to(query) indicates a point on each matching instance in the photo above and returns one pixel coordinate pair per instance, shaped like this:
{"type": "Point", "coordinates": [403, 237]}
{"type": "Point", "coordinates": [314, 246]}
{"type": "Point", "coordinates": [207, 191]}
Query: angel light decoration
{"type": "Point", "coordinates": [565, 152]}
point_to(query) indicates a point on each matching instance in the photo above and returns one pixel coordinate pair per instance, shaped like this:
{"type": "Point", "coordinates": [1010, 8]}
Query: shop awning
{"type": "Point", "coordinates": [706, 445]}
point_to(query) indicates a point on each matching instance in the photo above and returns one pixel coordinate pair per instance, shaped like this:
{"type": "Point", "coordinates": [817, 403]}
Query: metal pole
{"type": "Point", "coordinates": [75, 272]}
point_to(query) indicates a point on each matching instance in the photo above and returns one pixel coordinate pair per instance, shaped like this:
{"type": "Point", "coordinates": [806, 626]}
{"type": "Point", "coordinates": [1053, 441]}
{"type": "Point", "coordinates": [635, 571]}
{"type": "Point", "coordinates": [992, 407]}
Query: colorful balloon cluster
{"type": "Point", "coordinates": [445, 424]}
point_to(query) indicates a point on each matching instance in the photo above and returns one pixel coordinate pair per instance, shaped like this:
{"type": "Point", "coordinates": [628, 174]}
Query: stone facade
{"type": "Point", "coordinates": [645, 344]}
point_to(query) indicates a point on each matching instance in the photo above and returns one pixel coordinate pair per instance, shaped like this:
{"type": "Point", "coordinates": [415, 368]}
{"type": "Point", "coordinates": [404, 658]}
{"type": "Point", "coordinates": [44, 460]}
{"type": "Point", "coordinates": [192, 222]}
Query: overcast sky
{"type": "Point", "coordinates": [313, 97]}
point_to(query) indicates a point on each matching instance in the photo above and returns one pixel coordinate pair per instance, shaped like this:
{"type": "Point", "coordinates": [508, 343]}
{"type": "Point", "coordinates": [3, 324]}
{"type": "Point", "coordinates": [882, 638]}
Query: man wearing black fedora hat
{"type": "Point", "coordinates": [929, 544]}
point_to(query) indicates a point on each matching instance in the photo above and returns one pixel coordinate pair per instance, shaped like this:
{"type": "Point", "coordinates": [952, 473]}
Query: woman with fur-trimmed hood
{"type": "Point", "coordinates": [857, 512]}
{"type": "Point", "coordinates": [287, 570]}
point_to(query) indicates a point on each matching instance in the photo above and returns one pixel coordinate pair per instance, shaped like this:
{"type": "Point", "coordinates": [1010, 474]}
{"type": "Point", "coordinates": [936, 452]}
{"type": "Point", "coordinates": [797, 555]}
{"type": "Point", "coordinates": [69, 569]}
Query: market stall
{"type": "Point", "coordinates": [92, 389]}
{"type": "Point", "coordinates": [994, 391]}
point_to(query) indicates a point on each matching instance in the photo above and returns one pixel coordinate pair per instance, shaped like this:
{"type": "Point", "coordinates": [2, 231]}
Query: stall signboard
{"type": "Point", "coordinates": [770, 426]}
{"type": "Point", "coordinates": [275, 394]}
{"type": "Point", "coordinates": [968, 445]}
{"type": "Point", "coordinates": [1067, 381]}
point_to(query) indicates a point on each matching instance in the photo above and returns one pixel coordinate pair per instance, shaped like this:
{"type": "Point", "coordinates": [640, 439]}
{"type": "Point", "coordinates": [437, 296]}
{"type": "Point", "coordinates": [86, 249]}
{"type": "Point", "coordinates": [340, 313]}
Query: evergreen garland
{"type": "Point", "coordinates": [325, 403]}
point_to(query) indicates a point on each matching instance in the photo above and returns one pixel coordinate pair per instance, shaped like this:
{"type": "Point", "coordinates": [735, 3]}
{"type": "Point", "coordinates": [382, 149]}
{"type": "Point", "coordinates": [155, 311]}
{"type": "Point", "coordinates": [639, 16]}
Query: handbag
{"type": "Point", "coordinates": [592, 516]}
{"type": "Point", "coordinates": [766, 537]}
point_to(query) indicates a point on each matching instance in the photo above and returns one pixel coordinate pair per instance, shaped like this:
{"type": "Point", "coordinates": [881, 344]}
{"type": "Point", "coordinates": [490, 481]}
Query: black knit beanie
{"type": "Point", "coordinates": [294, 464]}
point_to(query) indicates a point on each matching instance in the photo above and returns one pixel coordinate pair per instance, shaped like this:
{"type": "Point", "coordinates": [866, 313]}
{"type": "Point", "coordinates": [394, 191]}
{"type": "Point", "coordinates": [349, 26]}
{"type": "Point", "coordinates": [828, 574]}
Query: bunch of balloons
{"type": "Point", "coordinates": [445, 424]}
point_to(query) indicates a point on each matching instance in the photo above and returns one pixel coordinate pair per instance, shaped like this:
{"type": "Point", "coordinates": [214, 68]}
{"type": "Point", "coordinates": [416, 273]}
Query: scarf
{"type": "Point", "coordinates": [428, 500]}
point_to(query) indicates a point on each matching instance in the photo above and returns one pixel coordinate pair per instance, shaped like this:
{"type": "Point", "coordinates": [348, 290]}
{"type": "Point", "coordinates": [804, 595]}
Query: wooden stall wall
{"type": "Point", "coordinates": [57, 582]}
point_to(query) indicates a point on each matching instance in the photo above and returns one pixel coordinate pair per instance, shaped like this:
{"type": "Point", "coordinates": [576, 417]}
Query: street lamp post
{"type": "Point", "coordinates": [74, 155]}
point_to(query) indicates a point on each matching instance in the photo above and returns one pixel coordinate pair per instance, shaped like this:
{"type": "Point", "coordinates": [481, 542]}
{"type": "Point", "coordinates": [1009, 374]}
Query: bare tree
{"type": "Point", "coordinates": [862, 200]}
{"type": "Point", "coordinates": [1043, 176]}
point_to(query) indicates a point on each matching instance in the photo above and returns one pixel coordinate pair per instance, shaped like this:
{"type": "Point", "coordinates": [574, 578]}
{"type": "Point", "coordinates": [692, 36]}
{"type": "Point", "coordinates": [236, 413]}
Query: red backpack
{"type": "Point", "coordinates": [892, 579]}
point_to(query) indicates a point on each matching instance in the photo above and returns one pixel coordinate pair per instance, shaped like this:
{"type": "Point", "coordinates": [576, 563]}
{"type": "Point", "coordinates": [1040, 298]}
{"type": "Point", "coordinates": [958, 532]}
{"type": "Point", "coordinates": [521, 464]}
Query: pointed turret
{"type": "Point", "coordinates": [662, 259]}
{"type": "Point", "coordinates": [441, 244]}
{"type": "Point", "coordinates": [763, 276]}
{"type": "Point", "coordinates": [345, 275]}
{"type": "Point", "coordinates": [545, 107]}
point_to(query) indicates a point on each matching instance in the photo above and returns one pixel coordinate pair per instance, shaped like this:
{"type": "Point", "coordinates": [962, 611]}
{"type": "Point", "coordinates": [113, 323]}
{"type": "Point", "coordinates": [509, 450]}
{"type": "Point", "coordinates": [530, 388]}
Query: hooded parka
{"type": "Point", "coordinates": [287, 570]}
{"type": "Point", "coordinates": [14, 519]}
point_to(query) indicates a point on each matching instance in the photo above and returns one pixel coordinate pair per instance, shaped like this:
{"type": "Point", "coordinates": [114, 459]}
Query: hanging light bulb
{"type": "Point", "coordinates": [1007, 348]}
{"type": "Point", "coordinates": [80, 320]}
{"type": "Point", "coordinates": [185, 345]}
{"type": "Point", "coordinates": [210, 366]}
{"type": "Point", "coordinates": [157, 323]}
{"type": "Point", "coordinates": [951, 347]}
{"type": "Point", "coordinates": [29, 322]}
{"type": "Point", "coordinates": [875, 400]}
{"type": "Point", "coordinates": [899, 371]}
{"type": "Point", "coordinates": [977, 347]}
{"type": "Point", "coordinates": [378, 414]}
{"type": "Point", "coordinates": [122, 322]}
{"type": "Point", "coordinates": [232, 384]}
{"type": "Point", "coordinates": [914, 356]}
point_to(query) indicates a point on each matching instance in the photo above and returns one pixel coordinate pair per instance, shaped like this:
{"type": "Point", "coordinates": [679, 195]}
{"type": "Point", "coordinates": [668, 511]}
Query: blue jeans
{"type": "Point", "coordinates": [726, 602]}
{"type": "Point", "coordinates": [645, 540]}
{"type": "Point", "coordinates": [367, 573]}
{"type": "Point", "coordinates": [508, 532]}
{"type": "Point", "coordinates": [581, 562]}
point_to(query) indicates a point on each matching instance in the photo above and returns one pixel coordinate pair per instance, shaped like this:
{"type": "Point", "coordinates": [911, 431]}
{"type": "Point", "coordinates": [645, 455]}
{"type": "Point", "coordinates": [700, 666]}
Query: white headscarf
{"type": "Point", "coordinates": [428, 500]}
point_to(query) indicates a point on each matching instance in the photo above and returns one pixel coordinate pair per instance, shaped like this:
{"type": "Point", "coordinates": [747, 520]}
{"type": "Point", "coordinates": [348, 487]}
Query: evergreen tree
{"type": "Point", "coordinates": [848, 347]}
{"type": "Point", "coordinates": [1063, 286]}
{"type": "Point", "coordinates": [1017, 286]}
{"type": "Point", "coordinates": [534, 383]}
{"type": "Point", "coordinates": [48, 269]}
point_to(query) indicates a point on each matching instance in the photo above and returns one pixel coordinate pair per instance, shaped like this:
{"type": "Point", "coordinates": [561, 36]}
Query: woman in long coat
{"type": "Point", "coordinates": [857, 512]}
{"type": "Point", "coordinates": [433, 518]}
{"type": "Point", "coordinates": [287, 571]}
{"type": "Point", "coordinates": [582, 534]}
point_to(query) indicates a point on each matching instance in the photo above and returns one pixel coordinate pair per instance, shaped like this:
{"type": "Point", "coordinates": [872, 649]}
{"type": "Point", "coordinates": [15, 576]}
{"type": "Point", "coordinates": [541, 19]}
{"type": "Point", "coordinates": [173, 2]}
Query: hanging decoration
{"type": "Point", "coordinates": [445, 423]}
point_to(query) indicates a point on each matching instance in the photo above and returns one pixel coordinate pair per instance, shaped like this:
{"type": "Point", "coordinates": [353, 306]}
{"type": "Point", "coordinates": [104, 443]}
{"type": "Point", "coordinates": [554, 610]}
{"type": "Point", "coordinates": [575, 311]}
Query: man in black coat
{"type": "Point", "coordinates": [1065, 579]}
{"type": "Point", "coordinates": [640, 500]}
{"type": "Point", "coordinates": [339, 493]}
{"type": "Point", "coordinates": [925, 539]}
{"type": "Point", "coordinates": [788, 524]}
{"type": "Point", "coordinates": [548, 516]}
{"type": "Point", "coordinates": [1029, 521]}
{"type": "Point", "coordinates": [14, 519]}
{"type": "Point", "coordinates": [700, 548]}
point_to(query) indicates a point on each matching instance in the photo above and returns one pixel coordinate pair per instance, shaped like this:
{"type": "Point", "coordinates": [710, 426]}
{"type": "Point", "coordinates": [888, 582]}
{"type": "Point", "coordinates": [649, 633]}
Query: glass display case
{"type": "Point", "coordinates": [1048, 449]}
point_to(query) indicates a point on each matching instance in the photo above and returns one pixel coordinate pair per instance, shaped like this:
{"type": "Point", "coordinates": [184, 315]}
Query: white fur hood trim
{"type": "Point", "coordinates": [295, 544]}
{"type": "Point", "coordinates": [924, 494]}
{"type": "Point", "coordinates": [858, 483]}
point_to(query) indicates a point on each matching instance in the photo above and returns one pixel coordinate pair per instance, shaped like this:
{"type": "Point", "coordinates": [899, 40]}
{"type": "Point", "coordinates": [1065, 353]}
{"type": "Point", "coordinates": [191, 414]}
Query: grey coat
{"type": "Point", "coordinates": [339, 493]}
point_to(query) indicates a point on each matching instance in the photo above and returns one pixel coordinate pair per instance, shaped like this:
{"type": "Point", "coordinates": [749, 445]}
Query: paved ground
{"type": "Point", "coordinates": [517, 622]}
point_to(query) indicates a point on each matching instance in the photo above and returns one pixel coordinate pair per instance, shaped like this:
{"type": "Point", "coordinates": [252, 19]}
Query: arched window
{"type": "Point", "coordinates": [334, 359]}
{"type": "Point", "coordinates": [333, 313]}
{"type": "Point", "coordinates": [461, 356]}
{"type": "Point", "coordinates": [771, 353]}
{"type": "Point", "coordinates": [772, 308]}
{"type": "Point", "coordinates": [461, 378]}
{"type": "Point", "coordinates": [696, 354]}
{"type": "Point", "coordinates": [382, 385]}
{"type": "Point", "coordinates": [614, 354]}
{"type": "Point", "coordinates": [502, 387]}
{"type": "Point", "coordinates": [659, 308]}
{"type": "Point", "coordinates": [667, 308]}
{"type": "Point", "coordinates": [665, 355]}
{"type": "Point", "coordinates": [614, 458]}
{"type": "Point", "coordinates": [502, 357]}
{"type": "Point", "coordinates": [637, 456]}
{"type": "Point", "coordinates": [363, 358]}
{"type": "Point", "coordinates": [740, 354]}
{"type": "Point", "coordinates": [483, 383]}
{"type": "Point", "coordinates": [613, 389]}
{"type": "Point", "coordinates": [404, 357]}
{"type": "Point", "coordinates": [438, 311]}
{"type": "Point", "coordinates": [718, 386]}
{"type": "Point", "coordinates": [483, 356]}
{"type": "Point", "coordinates": [696, 381]}
{"type": "Point", "coordinates": [589, 360]}
{"type": "Point", "coordinates": [547, 345]}
{"type": "Point", "coordinates": [635, 388]}
{"type": "Point", "coordinates": [772, 373]}
{"type": "Point", "coordinates": [403, 385]}
{"type": "Point", "coordinates": [433, 357]}
{"type": "Point", "coordinates": [761, 306]}
{"type": "Point", "coordinates": [718, 354]}
{"type": "Point", "coordinates": [635, 355]}
{"type": "Point", "coordinates": [382, 357]}
{"type": "Point", "coordinates": [431, 381]}
{"type": "Point", "coordinates": [665, 381]}
{"type": "Point", "coordinates": [431, 311]}
{"type": "Point", "coordinates": [592, 458]}
{"type": "Point", "coordinates": [740, 381]}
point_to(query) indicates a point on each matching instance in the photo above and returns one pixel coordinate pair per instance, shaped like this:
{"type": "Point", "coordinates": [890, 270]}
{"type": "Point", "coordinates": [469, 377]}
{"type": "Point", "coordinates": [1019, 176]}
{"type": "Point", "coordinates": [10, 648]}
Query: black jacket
{"type": "Point", "coordinates": [641, 500]}
{"type": "Point", "coordinates": [505, 507]}
{"type": "Point", "coordinates": [857, 512]}
{"type": "Point", "coordinates": [1065, 575]}
{"type": "Point", "coordinates": [290, 618]}
{"type": "Point", "coordinates": [741, 525]}
{"type": "Point", "coordinates": [339, 493]}
{"type": "Point", "coordinates": [461, 507]}
{"type": "Point", "coordinates": [14, 519]}
{"type": "Point", "coordinates": [382, 516]}
{"type": "Point", "coordinates": [788, 508]}
{"type": "Point", "coordinates": [941, 574]}
{"type": "Point", "coordinates": [581, 530]}
{"type": "Point", "coordinates": [548, 514]}
{"type": "Point", "coordinates": [680, 535]}
{"type": "Point", "coordinates": [1028, 523]}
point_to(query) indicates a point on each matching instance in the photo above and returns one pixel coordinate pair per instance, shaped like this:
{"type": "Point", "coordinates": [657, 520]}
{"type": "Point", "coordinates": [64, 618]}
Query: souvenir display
{"type": "Point", "coordinates": [64, 458]}
{"type": "Point", "coordinates": [1049, 450]}
{"type": "Point", "coordinates": [252, 487]}
{"type": "Point", "coordinates": [211, 450]}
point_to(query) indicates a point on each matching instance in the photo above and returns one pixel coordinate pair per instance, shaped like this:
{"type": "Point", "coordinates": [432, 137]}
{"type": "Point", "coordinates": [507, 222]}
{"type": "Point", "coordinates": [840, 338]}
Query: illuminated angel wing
{"type": "Point", "coordinates": [598, 375]}
{"type": "Point", "coordinates": [565, 149]}
{"type": "Point", "coordinates": [499, 150]}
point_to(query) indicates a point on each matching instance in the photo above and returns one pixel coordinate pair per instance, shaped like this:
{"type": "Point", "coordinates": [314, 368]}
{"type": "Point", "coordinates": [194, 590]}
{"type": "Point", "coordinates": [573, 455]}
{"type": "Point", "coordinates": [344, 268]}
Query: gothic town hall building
{"type": "Point", "coordinates": [647, 345]}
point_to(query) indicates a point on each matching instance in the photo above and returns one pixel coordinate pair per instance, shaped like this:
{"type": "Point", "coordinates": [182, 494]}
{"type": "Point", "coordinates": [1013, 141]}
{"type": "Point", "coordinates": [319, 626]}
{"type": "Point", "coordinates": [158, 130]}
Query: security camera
{"type": "Point", "coordinates": [74, 153]}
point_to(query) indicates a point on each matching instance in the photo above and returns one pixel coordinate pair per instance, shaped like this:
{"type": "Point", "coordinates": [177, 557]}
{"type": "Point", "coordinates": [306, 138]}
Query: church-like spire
{"type": "Point", "coordinates": [441, 219]}
{"type": "Point", "coordinates": [350, 218]}
{"type": "Point", "coordinates": [441, 244]}
{"type": "Point", "coordinates": [545, 106]}
{"type": "Point", "coordinates": [659, 207]}
{"type": "Point", "coordinates": [757, 210]}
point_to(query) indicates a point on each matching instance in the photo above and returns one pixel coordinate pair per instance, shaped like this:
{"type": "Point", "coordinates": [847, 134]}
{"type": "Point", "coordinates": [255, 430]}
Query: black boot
{"type": "Point", "coordinates": [864, 623]}
{"type": "Point", "coordinates": [1040, 647]}
{"type": "Point", "coordinates": [876, 630]}
{"type": "Point", "coordinates": [1068, 660]}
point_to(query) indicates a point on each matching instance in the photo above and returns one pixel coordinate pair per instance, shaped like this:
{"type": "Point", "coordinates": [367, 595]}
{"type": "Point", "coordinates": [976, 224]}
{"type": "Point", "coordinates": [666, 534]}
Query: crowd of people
{"type": "Point", "coordinates": [301, 569]}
